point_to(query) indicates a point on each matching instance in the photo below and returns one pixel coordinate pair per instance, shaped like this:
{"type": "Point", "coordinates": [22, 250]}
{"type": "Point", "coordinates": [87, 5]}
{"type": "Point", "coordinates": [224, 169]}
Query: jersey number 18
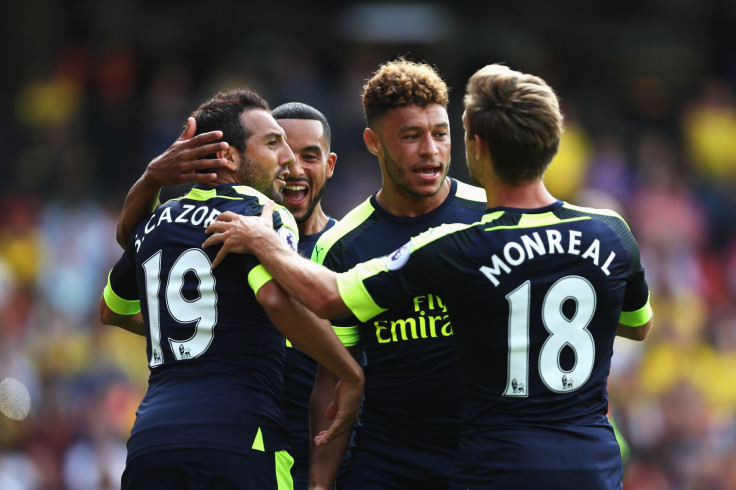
{"type": "Point", "coordinates": [563, 332]}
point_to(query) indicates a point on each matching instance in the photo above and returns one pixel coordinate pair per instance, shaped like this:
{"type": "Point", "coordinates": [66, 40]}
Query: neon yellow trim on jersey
{"type": "Point", "coordinates": [117, 304]}
{"type": "Point", "coordinates": [283, 463]}
{"type": "Point", "coordinates": [622, 444]}
{"type": "Point", "coordinates": [350, 283]}
{"type": "Point", "coordinates": [537, 220]}
{"type": "Point", "coordinates": [470, 192]}
{"type": "Point", "coordinates": [637, 318]}
{"type": "Point", "coordinates": [353, 292]}
{"type": "Point", "coordinates": [362, 212]}
{"type": "Point", "coordinates": [349, 336]}
{"type": "Point", "coordinates": [249, 191]}
{"type": "Point", "coordinates": [352, 220]}
{"type": "Point", "coordinates": [258, 442]}
{"type": "Point", "coordinates": [437, 232]}
{"type": "Point", "coordinates": [287, 219]}
{"type": "Point", "coordinates": [257, 277]}
{"type": "Point", "coordinates": [601, 211]}
{"type": "Point", "coordinates": [196, 194]}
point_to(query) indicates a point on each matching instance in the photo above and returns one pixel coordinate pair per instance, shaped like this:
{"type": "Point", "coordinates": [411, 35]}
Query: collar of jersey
{"type": "Point", "coordinates": [201, 192]}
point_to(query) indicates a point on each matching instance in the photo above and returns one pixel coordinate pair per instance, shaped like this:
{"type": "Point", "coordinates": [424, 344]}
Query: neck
{"type": "Point", "coordinates": [400, 203]}
{"type": "Point", "coordinates": [525, 196]}
{"type": "Point", "coordinates": [223, 178]}
{"type": "Point", "coordinates": [316, 222]}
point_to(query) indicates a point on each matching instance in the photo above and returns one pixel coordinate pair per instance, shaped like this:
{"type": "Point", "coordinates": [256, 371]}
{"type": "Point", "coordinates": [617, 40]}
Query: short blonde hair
{"type": "Point", "coordinates": [400, 83]}
{"type": "Point", "coordinates": [519, 116]}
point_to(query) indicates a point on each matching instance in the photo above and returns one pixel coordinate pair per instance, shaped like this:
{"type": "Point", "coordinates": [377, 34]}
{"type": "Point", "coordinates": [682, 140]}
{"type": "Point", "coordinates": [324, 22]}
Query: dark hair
{"type": "Point", "coordinates": [222, 112]}
{"type": "Point", "coordinates": [298, 110]}
{"type": "Point", "coordinates": [400, 83]}
{"type": "Point", "coordinates": [519, 116]}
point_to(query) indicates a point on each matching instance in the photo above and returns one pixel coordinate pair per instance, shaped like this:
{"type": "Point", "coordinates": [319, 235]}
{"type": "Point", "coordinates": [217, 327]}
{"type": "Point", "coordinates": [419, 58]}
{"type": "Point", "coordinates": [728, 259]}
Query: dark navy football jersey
{"type": "Point", "coordinates": [535, 298]}
{"type": "Point", "coordinates": [216, 360]}
{"type": "Point", "coordinates": [299, 379]}
{"type": "Point", "coordinates": [411, 414]}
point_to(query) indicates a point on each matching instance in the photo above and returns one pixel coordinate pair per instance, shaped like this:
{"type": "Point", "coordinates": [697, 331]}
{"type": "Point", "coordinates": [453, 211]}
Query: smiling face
{"type": "Point", "coordinates": [312, 167]}
{"type": "Point", "coordinates": [265, 163]}
{"type": "Point", "coordinates": [413, 147]}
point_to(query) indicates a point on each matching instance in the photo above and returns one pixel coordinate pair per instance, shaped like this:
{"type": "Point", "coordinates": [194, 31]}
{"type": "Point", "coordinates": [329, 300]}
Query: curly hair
{"type": "Point", "coordinates": [519, 116]}
{"type": "Point", "coordinates": [400, 83]}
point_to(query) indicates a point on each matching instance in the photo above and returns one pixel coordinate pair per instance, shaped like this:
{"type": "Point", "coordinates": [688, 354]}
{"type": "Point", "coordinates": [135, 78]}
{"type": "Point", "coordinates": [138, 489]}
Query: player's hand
{"type": "Point", "coordinates": [343, 411]}
{"type": "Point", "coordinates": [179, 163]}
{"type": "Point", "coordinates": [236, 232]}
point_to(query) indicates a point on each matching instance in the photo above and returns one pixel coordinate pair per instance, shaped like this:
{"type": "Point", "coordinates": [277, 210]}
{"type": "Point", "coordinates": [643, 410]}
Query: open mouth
{"type": "Point", "coordinates": [295, 194]}
{"type": "Point", "coordinates": [428, 172]}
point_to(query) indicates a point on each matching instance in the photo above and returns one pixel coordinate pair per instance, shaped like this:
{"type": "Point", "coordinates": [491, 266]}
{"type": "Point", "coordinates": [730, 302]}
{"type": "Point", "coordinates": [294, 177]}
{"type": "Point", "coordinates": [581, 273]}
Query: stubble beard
{"type": "Point", "coordinates": [262, 182]}
{"type": "Point", "coordinates": [398, 176]}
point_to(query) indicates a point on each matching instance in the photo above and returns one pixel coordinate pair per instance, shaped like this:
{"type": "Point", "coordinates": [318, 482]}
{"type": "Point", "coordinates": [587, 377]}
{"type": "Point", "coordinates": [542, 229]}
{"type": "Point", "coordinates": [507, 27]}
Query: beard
{"type": "Point", "coordinates": [259, 179]}
{"type": "Point", "coordinates": [398, 176]}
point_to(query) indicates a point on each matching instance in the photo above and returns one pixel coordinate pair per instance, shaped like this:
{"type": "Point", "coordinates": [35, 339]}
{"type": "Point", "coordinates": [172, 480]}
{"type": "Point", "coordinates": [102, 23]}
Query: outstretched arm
{"type": "Point", "coordinates": [316, 338]}
{"type": "Point", "coordinates": [179, 164]}
{"type": "Point", "coordinates": [312, 284]}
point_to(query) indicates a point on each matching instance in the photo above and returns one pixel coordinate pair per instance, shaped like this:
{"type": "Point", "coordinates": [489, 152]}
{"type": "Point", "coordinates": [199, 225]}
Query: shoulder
{"type": "Point", "coordinates": [441, 232]}
{"type": "Point", "coordinates": [470, 193]}
{"type": "Point", "coordinates": [607, 216]}
{"type": "Point", "coordinates": [611, 220]}
{"type": "Point", "coordinates": [283, 221]}
{"type": "Point", "coordinates": [256, 200]}
{"type": "Point", "coordinates": [352, 221]}
{"type": "Point", "coordinates": [470, 196]}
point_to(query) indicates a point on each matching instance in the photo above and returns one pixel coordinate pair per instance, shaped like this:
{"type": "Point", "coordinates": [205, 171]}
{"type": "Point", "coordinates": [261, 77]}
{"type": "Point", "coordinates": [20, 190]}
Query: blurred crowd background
{"type": "Point", "coordinates": [91, 91]}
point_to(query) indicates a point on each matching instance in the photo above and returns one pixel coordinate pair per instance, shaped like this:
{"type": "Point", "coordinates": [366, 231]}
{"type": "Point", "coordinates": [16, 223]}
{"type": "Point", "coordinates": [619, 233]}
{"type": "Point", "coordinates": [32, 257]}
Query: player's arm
{"type": "Point", "coordinates": [315, 337]}
{"type": "Point", "coordinates": [635, 323]}
{"type": "Point", "coordinates": [324, 461]}
{"type": "Point", "coordinates": [131, 323]}
{"type": "Point", "coordinates": [311, 283]}
{"type": "Point", "coordinates": [639, 332]}
{"type": "Point", "coordinates": [180, 164]}
{"type": "Point", "coordinates": [119, 304]}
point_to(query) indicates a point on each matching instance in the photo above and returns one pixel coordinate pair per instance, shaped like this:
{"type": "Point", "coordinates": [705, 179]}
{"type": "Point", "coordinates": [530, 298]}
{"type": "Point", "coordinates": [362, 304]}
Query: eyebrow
{"type": "Point", "coordinates": [416, 127]}
{"type": "Point", "coordinates": [315, 148]}
{"type": "Point", "coordinates": [275, 134]}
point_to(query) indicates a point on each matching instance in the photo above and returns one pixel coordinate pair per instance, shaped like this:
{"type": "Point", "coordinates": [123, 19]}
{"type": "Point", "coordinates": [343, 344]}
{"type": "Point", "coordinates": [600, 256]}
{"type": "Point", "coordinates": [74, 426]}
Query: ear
{"type": "Point", "coordinates": [330, 164]}
{"type": "Point", "coordinates": [371, 141]}
{"type": "Point", "coordinates": [481, 146]}
{"type": "Point", "coordinates": [232, 156]}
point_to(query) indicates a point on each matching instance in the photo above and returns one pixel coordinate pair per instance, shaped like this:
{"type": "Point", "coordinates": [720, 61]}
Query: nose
{"type": "Point", "coordinates": [428, 146]}
{"type": "Point", "coordinates": [297, 168]}
{"type": "Point", "coordinates": [287, 156]}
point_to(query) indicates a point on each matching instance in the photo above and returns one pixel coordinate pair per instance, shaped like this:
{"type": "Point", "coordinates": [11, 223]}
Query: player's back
{"type": "Point", "coordinates": [216, 360]}
{"type": "Point", "coordinates": [535, 298]}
